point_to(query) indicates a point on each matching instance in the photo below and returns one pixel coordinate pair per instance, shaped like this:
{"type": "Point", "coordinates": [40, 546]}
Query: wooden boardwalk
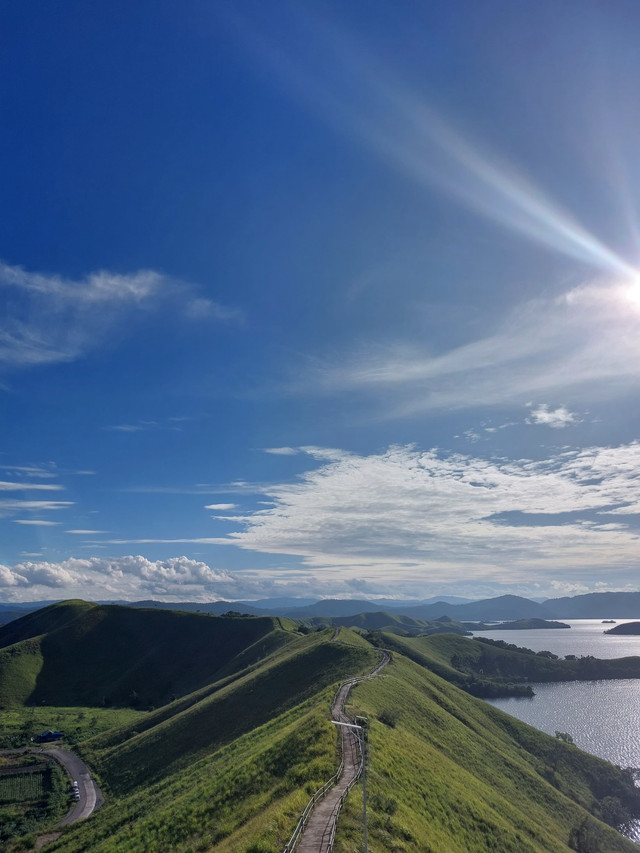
{"type": "Point", "coordinates": [318, 834]}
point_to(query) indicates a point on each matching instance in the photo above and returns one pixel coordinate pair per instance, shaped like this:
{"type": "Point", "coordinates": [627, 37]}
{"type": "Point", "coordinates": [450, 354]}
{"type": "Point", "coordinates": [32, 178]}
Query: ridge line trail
{"type": "Point", "coordinates": [317, 836]}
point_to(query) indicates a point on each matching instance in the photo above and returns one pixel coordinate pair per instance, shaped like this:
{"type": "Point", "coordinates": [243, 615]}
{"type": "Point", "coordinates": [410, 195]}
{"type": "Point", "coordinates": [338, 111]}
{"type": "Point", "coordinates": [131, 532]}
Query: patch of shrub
{"type": "Point", "coordinates": [389, 716]}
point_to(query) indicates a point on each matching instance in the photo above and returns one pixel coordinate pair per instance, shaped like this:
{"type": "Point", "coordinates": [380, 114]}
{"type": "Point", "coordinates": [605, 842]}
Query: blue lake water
{"type": "Point", "coordinates": [584, 637]}
{"type": "Point", "coordinates": [602, 717]}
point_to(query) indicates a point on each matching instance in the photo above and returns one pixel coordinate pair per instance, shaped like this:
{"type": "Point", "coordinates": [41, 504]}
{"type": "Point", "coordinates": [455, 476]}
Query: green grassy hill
{"type": "Point", "coordinates": [396, 623]}
{"type": "Point", "coordinates": [175, 736]}
{"type": "Point", "coordinates": [43, 621]}
{"type": "Point", "coordinates": [79, 654]}
{"type": "Point", "coordinates": [454, 775]}
{"type": "Point", "coordinates": [229, 766]}
{"type": "Point", "coordinates": [484, 667]}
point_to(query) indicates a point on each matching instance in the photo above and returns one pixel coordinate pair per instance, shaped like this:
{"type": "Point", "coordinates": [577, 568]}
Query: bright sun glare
{"type": "Point", "coordinates": [633, 292]}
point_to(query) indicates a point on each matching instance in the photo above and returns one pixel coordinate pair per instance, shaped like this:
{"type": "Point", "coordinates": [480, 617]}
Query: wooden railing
{"type": "Point", "coordinates": [319, 795]}
{"type": "Point", "coordinates": [322, 792]}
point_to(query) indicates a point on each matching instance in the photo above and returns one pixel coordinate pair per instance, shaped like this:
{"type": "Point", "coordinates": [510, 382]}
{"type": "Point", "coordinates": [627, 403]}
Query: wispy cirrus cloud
{"type": "Point", "coordinates": [19, 505]}
{"type": "Point", "coordinates": [50, 318]}
{"type": "Point", "coordinates": [578, 342]}
{"type": "Point", "coordinates": [141, 426]}
{"type": "Point", "coordinates": [175, 424]}
{"type": "Point", "coordinates": [6, 486]}
{"type": "Point", "coordinates": [9, 508]}
{"type": "Point", "coordinates": [82, 532]}
{"type": "Point", "coordinates": [31, 471]}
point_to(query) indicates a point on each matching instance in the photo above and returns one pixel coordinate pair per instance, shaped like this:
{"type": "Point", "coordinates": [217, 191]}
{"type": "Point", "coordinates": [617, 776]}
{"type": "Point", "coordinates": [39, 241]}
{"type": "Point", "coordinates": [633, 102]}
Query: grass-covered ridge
{"type": "Point", "coordinates": [81, 654]}
{"type": "Point", "coordinates": [229, 766]}
{"type": "Point", "coordinates": [450, 774]}
{"type": "Point", "coordinates": [233, 766]}
{"type": "Point", "coordinates": [487, 668]}
{"type": "Point", "coordinates": [43, 621]}
{"type": "Point", "coordinates": [178, 734]}
{"type": "Point", "coordinates": [394, 623]}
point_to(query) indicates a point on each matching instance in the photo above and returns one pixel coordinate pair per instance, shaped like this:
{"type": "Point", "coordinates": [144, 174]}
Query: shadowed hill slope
{"type": "Point", "coordinates": [43, 621]}
{"type": "Point", "coordinates": [130, 757]}
{"type": "Point", "coordinates": [108, 654]}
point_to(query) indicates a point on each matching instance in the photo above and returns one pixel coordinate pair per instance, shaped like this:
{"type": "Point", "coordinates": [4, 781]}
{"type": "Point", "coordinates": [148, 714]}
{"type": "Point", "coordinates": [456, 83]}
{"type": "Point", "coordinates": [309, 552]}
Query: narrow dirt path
{"type": "Point", "coordinates": [317, 836]}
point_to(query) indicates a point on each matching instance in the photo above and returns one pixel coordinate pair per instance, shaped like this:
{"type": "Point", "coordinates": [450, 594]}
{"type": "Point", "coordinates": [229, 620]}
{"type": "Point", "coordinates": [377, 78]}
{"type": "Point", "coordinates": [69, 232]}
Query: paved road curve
{"type": "Point", "coordinates": [90, 795]}
{"type": "Point", "coordinates": [319, 831]}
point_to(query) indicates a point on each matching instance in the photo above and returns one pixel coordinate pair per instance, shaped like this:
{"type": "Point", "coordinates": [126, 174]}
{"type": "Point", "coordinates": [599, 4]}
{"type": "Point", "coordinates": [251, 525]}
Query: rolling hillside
{"type": "Point", "coordinates": [229, 766]}
{"type": "Point", "coordinates": [75, 653]}
{"type": "Point", "coordinates": [483, 667]}
{"type": "Point", "coordinates": [394, 623]}
{"type": "Point", "coordinates": [450, 775]}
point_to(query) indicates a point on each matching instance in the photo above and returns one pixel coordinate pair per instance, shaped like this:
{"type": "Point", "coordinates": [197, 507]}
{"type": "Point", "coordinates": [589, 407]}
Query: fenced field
{"type": "Point", "coordinates": [21, 787]}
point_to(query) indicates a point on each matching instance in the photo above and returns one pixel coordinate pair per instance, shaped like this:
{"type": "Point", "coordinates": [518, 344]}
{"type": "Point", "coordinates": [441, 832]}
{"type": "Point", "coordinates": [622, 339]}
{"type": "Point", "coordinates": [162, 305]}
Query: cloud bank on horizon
{"type": "Point", "coordinates": [402, 520]}
{"type": "Point", "coordinates": [331, 303]}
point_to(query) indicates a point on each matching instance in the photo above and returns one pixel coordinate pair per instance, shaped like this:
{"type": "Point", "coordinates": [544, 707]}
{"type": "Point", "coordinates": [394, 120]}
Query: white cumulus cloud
{"type": "Point", "coordinates": [127, 577]}
{"type": "Point", "coordinates": [555, 418]}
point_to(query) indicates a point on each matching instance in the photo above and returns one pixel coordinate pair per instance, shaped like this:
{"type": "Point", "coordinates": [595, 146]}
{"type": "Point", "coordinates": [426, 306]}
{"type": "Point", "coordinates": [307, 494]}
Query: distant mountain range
{"type": "Point", "coordinates": [599, 605]}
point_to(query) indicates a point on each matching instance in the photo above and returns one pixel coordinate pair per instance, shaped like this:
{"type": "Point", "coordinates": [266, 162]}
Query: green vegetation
{"type": "Point", "coordinates": [43, 621]}
{"type": "Point", "coordinates": [393, 623]}
{"type": "Point", "coordinates": [21, 786]}
{"type": "Point", "coordinates": [175, 736]}
{"type": "Point", "coordinates": [490, 668]}
{"type": "Point", "coordinates": [33, 794]}
{"type": "Point", "coordinates": [103, 655]}
{"type": "Point", "coordinates": [522, 625]}
{"type": "Point", "coordinates": [229, 765]}
{"type": "Point", "coordinates": [19, 725]}
{"type": "Point", "coordinates": [455, 775]}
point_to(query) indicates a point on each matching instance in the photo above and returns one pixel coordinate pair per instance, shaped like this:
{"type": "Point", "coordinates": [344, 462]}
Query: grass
{"type": "Point", "coordinates": [480, 666]}
{"type": "Point", "coordinates": [29, 801]}
{"type": "Point", "coordinates": [230, 766]}
{"type": "Point", "coordinates": [454, 776]}
{"type": "Point", "coordinates": [233, 789]}
{"type": "Point", "coordinates": [43, 621]}
{"type": "Point", "coordinates": [250, 791]}
{"type": "Point", "coordinates": [19, 725]}
{"type": "Point", "coordinates": [106, 655]}
{"type": "Point", "coordinates": [130, 757]}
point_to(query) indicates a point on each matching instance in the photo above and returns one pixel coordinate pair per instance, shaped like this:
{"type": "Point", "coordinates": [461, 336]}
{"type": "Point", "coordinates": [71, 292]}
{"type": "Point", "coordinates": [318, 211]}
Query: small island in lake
{"type": "Point", "coordinates": [608, 621]}
{"type": "Point", "coordinates": [625, 628]}
{"type": "Point", "coordinates": [521, 625]}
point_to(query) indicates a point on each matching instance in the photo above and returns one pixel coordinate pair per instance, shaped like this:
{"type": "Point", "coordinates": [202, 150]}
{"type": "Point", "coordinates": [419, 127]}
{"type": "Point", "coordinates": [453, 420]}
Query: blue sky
{"type": "Point", "coordinates": [319, 299]}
